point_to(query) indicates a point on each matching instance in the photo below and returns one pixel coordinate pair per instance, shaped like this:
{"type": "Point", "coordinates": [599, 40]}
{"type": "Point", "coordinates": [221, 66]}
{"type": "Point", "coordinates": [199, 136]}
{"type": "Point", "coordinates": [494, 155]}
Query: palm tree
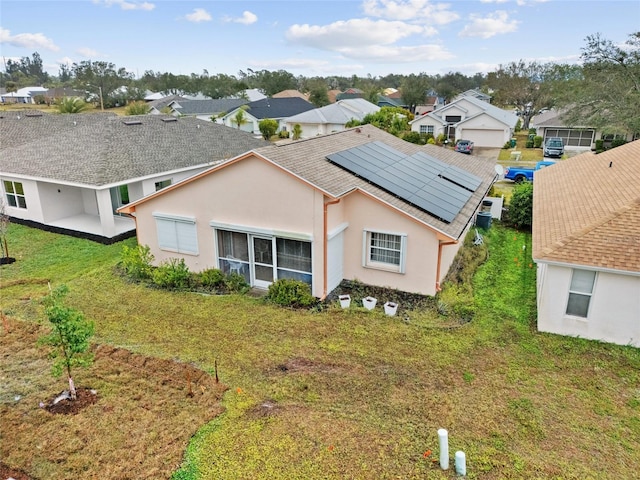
{"type": "Point", "coordinates": [240, 118]}
{"type": "Point", "coordinates": [72, 105]}
{"type": "Point", "coordinates": [297, 131]}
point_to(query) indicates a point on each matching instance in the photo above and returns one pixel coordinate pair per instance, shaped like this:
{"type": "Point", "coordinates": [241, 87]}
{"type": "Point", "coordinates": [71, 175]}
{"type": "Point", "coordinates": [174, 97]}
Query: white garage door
{"type": "Point", "coordinates": [484, 138]}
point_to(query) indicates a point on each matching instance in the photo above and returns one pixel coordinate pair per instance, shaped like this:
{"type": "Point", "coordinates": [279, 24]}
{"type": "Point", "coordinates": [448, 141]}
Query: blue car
{"type": "Point", "coordinates": [464, 146]}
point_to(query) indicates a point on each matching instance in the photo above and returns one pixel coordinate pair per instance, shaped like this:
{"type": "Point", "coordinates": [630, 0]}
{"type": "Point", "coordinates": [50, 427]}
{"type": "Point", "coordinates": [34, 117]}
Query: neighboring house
{"type": "Point", "coordinates": [23, 95]}
{"type": "Point", "coordinates": [55, 94]}
{"type": "Point", "coordinates": [69, 173]}
{"type": "Point", "coordinates": [551, 124]}
{"type": "Point", "coordinates": [205, 109]}
{"type": "Point", "coordinates": [331, 118]}
{"type": "Point", "coordinates": [332, 94]}
{"type": "Point", "coordinates": [278, 109]}
{"type": "Point", "coordinates": [470, 119]}
{"type": "Point", "coordinates": [290, 94]}
{"type": "Point", "coordinates": [384, 101]}
{"type": "Point", "coordinates": [586, 243]}
{"type": "Point", "coordinates": [432, 102]}
{"type": "Point", "coordinates": [305, 210]}
{"type": "Point", "coordinates": [475, 93]}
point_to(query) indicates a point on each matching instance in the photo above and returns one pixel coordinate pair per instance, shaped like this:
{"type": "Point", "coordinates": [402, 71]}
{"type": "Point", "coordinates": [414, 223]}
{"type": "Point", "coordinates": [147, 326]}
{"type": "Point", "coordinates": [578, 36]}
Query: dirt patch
{"type": "Point", "coordinates": [67, 406]}
{"type": "Point", "coordinates": [133, 418]}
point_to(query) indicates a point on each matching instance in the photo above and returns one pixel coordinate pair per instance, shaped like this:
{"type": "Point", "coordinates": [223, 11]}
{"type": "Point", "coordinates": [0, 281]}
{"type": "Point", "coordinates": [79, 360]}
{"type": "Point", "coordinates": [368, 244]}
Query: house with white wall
{"type": "Point", "coordinates": [586, 244]}
{"type": "Point", "coordinates": [278, 109]}
{"type": "Point", "coordinates": [70, 173]}
{"type": "Point", "coordinates": [468, 118]}
{"type": "Point", "coordinates": [356, 204]}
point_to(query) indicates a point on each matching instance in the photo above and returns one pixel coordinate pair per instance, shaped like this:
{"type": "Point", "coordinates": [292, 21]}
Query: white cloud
{"type": "Point", "coordinates": [410, 10]}
{"type": "Point", "coordinates": [198, 15]}
{"type": "Point", "coordinates": [247, 18]}
{"type": "Point", "coordinates": [489, 26]}
{"type": "Point", "coordinates": [27, 40]}
{"type": "Point", "coordinates": [87, 52]}
{"type": "Point", "coordinates": [65, 61]}
{"type": "Point", "coordinates": [125, 5]}
{"type": "Point", "coordinates": [350, 34]}
{"type": "Point", "coordinates": [397, 54]}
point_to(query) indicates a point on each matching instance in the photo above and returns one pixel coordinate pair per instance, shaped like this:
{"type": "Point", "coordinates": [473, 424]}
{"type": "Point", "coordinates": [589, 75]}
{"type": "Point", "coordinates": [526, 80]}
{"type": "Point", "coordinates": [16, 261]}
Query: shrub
{"type": "Point", "coordinates": [521, 205]}
{"type": "Point", "coordinates": [414, 137]}
{"type": "Point", "coordinates": [136, 261]}
{"type": "Point", "coordinates": [599, 146]}
{"type": "Point", "coordinates": [616, 142]}
{"type": "Point", "coordinates": [529, 144]}
{"type": "Point", "coordinates": [212, 278]}
{"type": "Point", "coordinates": [537, 141]}
{"type": "Point", "coordinates": [268, 128]}
{"type": "Point", "coordinates": [506, 146]}
{"type": "Point", "coordinates": [297, 131]}
{"type": "Point", "coordinates": [518, 126]}
{"type": "Point", "coordinates": [173, 274]}
{"type": "Point", "coordinates": [137, 108]}
{"type": "Point", "coordinates": [440, 139]}
{"type": "Point", "coordinates": [290, 293]}
{"type": "Point", "coordinates": [283, 134]}
{"type": "Point", "coordinates": [532, 131]}
{"type": "Point", "coordinates": [236, 283]}
{"type": "Point", "coordinates": [431, 141]}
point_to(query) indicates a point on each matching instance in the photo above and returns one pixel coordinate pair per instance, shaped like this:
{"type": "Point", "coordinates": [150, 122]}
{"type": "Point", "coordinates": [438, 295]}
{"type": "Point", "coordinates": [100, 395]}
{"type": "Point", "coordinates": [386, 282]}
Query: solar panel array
{"type": "Point", "coordinates": [427, 183]}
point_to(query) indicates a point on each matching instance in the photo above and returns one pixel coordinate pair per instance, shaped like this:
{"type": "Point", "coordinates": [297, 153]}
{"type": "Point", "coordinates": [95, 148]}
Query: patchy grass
{"type": "Point", "coordinates": [339, 393]}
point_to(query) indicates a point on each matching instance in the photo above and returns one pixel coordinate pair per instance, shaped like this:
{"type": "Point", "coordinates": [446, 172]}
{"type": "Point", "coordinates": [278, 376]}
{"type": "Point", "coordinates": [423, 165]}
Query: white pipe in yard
{"type": "Point", "coordinates": [443, 436]}
{"type": "Point", "coordinates": [461, 463]}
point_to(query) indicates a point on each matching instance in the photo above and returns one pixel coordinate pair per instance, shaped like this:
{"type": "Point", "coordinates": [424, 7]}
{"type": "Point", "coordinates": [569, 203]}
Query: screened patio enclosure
{"type": "Point", "coordinates": [262, 259]}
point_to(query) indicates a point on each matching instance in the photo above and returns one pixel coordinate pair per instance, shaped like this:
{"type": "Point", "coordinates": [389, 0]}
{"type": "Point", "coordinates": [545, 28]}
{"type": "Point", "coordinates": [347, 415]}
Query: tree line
{"type": "Point", "coordinates": [602, 92]}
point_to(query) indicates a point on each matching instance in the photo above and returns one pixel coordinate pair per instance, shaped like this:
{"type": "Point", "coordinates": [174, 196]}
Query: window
{"type": "Point", "coordinates": [384, 250]}
{"type": "Point", "coordinates": [453, 118]}
{"type": "Point", "coordinates": [15, 194]}
{"type": "Point", "coordinates": [428, 129]}
{"type": "Point", "coordinates": [177, 234]}
{"type": "Point", "coordinates": [580, 292]}
{"type": "Point", "coordinates": [162, 184]}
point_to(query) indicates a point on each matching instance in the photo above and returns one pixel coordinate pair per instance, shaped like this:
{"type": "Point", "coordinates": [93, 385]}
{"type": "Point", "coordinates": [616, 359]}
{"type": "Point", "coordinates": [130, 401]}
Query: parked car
{"type": "Point", "coordinates": [524, 174]}
{"type": "Point", "coordinates": [553, 147]}
{"type": "Point", "coordinates": [464, 146]}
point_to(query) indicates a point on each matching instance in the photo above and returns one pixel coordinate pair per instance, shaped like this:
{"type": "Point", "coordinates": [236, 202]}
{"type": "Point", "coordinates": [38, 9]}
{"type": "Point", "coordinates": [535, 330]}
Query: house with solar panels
{"type": "Point", "coordinates": [356, 204]}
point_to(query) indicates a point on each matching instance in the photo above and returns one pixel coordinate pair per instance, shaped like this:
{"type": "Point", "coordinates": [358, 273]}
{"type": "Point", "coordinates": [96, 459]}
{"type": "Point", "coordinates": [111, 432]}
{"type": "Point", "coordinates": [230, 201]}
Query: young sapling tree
{"type": "Point", "coordinates": [69, 336]}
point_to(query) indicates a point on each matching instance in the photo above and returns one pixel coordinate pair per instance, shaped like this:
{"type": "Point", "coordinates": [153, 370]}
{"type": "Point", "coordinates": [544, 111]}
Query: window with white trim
{"type": "Point", "coordinates": [15, 194]}
{"type": "Point", "coordinates": [162, 184]}
{"type": "Point", "coordinates": [427, 129]}
{"type": "Point", "coordinates": [384, 250]}
{"type": "Point", "coordinates": [177, 234]}
{"type": "Point", "coordinates": [580, 292]}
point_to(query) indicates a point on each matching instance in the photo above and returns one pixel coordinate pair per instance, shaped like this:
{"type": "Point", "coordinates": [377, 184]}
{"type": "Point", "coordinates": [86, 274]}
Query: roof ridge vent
{"type": "Point", "coordinates": [33, 114]}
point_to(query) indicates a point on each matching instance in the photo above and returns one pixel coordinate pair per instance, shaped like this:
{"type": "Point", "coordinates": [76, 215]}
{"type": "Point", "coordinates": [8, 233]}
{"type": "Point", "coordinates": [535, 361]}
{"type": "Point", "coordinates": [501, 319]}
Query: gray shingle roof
{"type": "Point", "coordinates": [307, 159]}
{"type": "Point", "coordinates": [100, 149]}
{"type": "Point", "coordinates": [209, 107]}
{"type": "Point", "coordinates": [278, 107]}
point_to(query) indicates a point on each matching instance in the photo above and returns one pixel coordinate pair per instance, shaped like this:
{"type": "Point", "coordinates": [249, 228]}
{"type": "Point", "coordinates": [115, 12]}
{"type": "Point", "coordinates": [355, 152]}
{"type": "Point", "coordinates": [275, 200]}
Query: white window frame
{"type": "Point", "coordinates": [427, 129]}
{"type": "Point", "coordinates": [176, 233]}
{"type": "Point", "coordinates": [367, 262]}
{"type": "Point", "coordinates": [573, 292]}
{"type": "Point", "coordinates": [14, 194]}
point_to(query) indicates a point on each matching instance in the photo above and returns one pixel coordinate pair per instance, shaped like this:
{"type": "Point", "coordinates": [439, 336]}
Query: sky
{"type": "Point", "coordinates": [309, 38]}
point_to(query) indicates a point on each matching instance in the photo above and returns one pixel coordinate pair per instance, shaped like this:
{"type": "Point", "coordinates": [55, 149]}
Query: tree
{"type": "Point", "coordinates": [414, 90]}
{"type": "Point", "coordinates": [607, 96]}
{"type": "Point", "coordinates": [4, 228]}
{"type": "Point", "coordinates": [394, 120]}
{"type": "Point", "coordinates": [521, 205]}
{"type": "Point", "coordinates": [72, 105]}
{"type": "Point", "coordinates": [240, 118]}
{"type": "Point", "coordinates": [70, 336]}
{"type": "Point", "coordinates": [522, 85]}
{"type": "Point", "coordinates": [268, 128]}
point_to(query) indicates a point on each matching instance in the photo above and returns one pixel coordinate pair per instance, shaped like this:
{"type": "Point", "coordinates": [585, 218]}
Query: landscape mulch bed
{"type": "Point", "coordinates": [133, 417]}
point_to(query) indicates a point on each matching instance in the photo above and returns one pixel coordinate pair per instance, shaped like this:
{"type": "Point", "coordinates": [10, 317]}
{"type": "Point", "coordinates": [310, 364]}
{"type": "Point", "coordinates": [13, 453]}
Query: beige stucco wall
{"type": "Point", "coordinates": [364, 213]}
{"type": "Point", "coordinates": [614, 311]}
{"type": "Point", "coordinates": [248, 193]}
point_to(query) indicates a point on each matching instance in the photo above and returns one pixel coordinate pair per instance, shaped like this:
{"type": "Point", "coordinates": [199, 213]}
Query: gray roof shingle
{"type": "Point", "coordinates": [101, 149]}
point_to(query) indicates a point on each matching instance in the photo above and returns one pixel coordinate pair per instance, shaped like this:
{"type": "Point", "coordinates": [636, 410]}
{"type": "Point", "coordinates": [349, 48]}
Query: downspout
{"type": "Point", "coordinates": [440, 245]}
{"type": "Point", "coordinates": [325, 246]}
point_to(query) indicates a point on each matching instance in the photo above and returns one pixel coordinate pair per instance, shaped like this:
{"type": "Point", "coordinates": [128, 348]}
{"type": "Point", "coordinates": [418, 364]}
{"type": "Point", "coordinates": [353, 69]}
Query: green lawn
{"type": "Point", "coordinates": [355, 394]}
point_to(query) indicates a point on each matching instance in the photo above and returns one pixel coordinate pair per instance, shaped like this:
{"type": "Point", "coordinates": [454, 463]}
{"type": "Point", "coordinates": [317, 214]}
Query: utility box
{"type": "Point", "coordinates": [483, 220]}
